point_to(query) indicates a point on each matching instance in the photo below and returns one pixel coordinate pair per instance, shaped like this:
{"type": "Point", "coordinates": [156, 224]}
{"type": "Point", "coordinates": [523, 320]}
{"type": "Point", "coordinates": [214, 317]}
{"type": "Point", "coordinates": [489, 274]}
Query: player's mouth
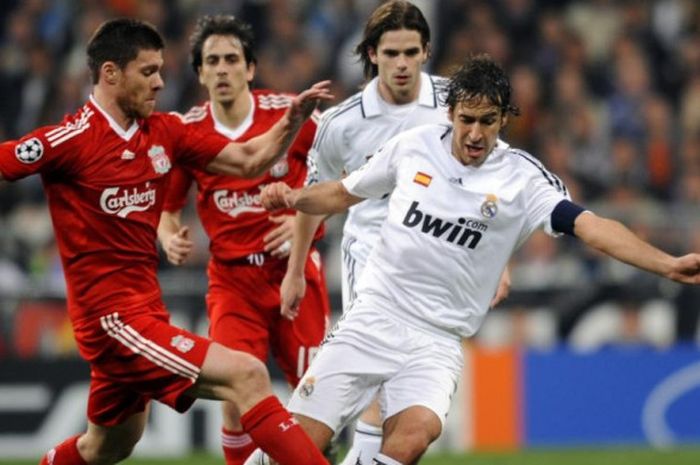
{"type": "Point", "coordinates": [475, 150]}
{"type": "Point", "coordinates": [223, 86]}
{"type": "Point", "coordinates": [402, 79]}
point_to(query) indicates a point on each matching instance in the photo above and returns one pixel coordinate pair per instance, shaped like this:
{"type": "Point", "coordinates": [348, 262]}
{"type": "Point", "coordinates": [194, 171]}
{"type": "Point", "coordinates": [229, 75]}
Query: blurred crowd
{"type": "Point", "coordinates": [609, 92]}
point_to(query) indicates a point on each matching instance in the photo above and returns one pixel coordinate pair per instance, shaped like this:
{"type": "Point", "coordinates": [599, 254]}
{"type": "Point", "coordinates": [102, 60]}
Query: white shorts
{"type": "Point", "coordinates": [369, 353]}
{"type": "Point", "coordinates": [354, 255]}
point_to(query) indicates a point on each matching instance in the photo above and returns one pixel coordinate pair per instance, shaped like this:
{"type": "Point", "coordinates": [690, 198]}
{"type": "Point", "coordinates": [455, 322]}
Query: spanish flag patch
{"type": "Point", "coordinates": [422, 179]}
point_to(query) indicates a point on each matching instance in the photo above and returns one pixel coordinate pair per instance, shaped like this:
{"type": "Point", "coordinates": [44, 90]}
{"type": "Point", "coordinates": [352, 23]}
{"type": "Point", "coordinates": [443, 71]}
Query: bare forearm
{"type": "Point", "coordinates": [324, 198]}
{"type": "Point", "coordinates": [169, 224]}
{"type": "Point", "coordinates": [305, 227]}
{"type": "Point", "coordinates": [616, 240]}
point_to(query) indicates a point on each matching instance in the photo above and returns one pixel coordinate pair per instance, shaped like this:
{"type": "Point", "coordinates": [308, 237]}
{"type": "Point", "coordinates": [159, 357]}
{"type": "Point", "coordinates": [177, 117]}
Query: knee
{"type": "Point", "coordinates": [410, 443]}
{"type": "Point", "coordinates": [249, 377]}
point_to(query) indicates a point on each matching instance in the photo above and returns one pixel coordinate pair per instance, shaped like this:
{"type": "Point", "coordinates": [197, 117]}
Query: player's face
{"type": "Point", "coordinates": [224, 71]}
{"type": "Point", "coordinates": [138, 84]}
{"type": "Point", "coordinates": [476, 128]}
{"type": "Point", "coordinates": [399, 58]}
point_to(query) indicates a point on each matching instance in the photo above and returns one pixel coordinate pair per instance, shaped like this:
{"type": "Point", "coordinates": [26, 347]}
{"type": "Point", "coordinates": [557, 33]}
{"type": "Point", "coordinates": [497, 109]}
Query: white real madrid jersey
{"type": "Point", "coordinates": [450, 228]}
{"type": "Point", "coordinates": [351, 132]}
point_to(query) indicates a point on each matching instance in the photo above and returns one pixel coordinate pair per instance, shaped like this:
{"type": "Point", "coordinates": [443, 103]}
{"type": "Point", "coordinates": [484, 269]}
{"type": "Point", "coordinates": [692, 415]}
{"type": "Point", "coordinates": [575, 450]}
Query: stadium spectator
{"type": "Point", "coordinates": [249, 246]}
{"type": "Point", "coordinates": [461, 201]}
{"type": "Point", "coordinates": [105, 170]}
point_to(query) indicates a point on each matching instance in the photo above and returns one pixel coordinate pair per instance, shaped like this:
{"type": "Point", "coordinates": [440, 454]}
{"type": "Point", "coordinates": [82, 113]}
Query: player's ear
{"type": "Point", "coordinates": [372, 54]}
{"type": "Point", "coordinates": [109, 71]}
{"type": "Point", "coordinates": [250, 72]}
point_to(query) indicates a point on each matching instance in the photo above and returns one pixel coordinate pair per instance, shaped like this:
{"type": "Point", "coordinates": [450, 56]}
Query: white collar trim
{"type": "Point", "coordinates": [240, 129]}
{"type": "Point", "coordinates": [370, 95]}
{"type": "Point", "coordinates": [126, 135]}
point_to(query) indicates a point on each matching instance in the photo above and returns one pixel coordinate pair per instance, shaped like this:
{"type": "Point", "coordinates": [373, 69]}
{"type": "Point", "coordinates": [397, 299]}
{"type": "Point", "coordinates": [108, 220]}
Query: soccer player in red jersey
{"type": "Point", "coordinates": [249, 246]}
{"type": "Point", "coordinates": [104, 171]}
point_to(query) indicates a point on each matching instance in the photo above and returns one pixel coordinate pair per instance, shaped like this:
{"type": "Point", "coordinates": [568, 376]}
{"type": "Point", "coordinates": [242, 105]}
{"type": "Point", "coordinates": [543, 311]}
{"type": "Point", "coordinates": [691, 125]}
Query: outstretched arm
{"type": "Point", "coordinates": [614, 239]}
{"type": "Point", "coordinates": [253, 157]}
{"type": "Point", "coordinates": [323, 198]}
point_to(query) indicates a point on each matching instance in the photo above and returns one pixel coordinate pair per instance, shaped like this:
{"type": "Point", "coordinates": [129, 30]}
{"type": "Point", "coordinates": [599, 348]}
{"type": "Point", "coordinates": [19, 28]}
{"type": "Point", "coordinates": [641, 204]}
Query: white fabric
{"type": "Point", "coordinates": [450, 228]}
{"type": "Point", "coordinates": [349, 134]}
{"type": "Point", "coordinates": [369, 353]}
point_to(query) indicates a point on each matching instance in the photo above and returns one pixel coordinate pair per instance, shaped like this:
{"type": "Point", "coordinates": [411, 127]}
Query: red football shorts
{"type": "Point", "coordinates": [138, 357]}
{"type": "Point", "coordinates": [243, 303]}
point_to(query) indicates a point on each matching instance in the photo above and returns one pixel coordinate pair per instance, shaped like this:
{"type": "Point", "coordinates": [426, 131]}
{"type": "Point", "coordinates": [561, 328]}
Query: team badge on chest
{"type": "Point", "coordinates": [490, 206]}
{"type": "Point", "coordinates": [280, 168]}
{"type": "Point", "coordinates": [160, 161]}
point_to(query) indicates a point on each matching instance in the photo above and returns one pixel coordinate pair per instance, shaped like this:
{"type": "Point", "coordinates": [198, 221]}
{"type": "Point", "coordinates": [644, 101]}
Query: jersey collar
{"type": "Point", "coordinates": [370, 104]}
{"type": "Point", "coordinates": [126, 135]}
{"type": "Point", "coordinates": [234, 134]}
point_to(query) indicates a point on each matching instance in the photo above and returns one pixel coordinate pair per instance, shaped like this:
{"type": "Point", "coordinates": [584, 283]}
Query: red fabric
{"type": "Point", "coordinates": [259, 327]}
{"type": "Point", "coordinates": [66, 453]}
{"type": "Point", "coordinates": [141, 357]}
{"type": "Point", "coordinates": [229, 207]}
{"type": "Point", "coordinates": [237, 446]}
{"type": "Point", "coordinates": [277, 433]}
{"type": "Point", "coordinates": [105, 190]}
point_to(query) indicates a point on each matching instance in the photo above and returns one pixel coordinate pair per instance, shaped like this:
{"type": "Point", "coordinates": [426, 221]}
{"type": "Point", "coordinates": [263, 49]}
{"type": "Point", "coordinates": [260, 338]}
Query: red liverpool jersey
{"type": "Point", "coordinates": [229, 207]}
{"type": "Point", "coordinates": [105, 187]}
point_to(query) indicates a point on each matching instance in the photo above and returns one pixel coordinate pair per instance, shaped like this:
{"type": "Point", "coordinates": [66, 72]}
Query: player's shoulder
{"type": "Point", "coordinates": [270, 100]}
{"type": "Point", "coordinates": [349, 110]}
{"type": "Point", "coordinates": [196, 114]}
{"type": "Point", "coordinates": [73, 128]}
{"type": "Point", "coordinates": [530, 167]}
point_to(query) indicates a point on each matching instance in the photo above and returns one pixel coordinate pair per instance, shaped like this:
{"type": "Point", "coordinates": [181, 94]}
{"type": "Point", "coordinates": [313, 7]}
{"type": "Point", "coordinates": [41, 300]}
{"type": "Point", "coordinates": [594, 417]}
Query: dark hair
{"type": "Point", "coordinates": [391, 16]}
{"type": "Point", "coordinates": [477, 78]}
{"type": "Point", "coordinates": [225, 25]}
{"type": "Point", "coordinates": [120, 40]}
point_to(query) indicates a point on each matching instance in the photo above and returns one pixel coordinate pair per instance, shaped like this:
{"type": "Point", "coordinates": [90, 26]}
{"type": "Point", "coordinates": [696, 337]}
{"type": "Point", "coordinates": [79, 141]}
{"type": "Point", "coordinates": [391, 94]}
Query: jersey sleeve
{"type": "Point", "coordinates": [196, 147]}
{"type": "Point", "coordinates": [178, 186]}
{"type": "Point", "coordinates": [543, 193]}
{"type": "Point", "coordinates": [378, 176]}
{"type": "Point", "coordinates": [325, 161]}
{"type": "Point", "coordinates": [41, 150]}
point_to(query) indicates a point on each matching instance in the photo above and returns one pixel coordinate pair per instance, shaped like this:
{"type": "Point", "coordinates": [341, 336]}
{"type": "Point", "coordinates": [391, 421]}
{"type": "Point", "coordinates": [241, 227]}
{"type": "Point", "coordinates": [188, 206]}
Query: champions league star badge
{"type": "Point", "coordinates": [280, 168]}
{"type": "Point", "coordinates": [490, 207]}
{"type": "Point", "coordinates": [160, 161]}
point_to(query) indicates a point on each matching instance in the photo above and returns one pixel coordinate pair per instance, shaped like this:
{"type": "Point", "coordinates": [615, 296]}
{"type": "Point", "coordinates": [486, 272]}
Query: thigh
{"type": "Point", "coordinates": [341, 381]}
{"type": "Point", "coordinates": [235, 321]}
{"type": "Point", "coordinates": [143, 358]}
{"type": "Point", "coordinates": [295, 343]}
{"type": "Point", "coordinates": [428, 378]}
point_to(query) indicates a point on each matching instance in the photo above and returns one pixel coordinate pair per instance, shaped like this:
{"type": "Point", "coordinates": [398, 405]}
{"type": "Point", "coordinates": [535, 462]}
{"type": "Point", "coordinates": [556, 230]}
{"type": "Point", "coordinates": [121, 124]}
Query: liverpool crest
{"type": "Point", "coordinates": [160, 161]}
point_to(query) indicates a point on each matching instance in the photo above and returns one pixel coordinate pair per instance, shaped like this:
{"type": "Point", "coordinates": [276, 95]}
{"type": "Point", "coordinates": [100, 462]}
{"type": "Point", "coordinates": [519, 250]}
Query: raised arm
{"type": "Point", "coordinates": [253, 157]}
{"type": "Point", "coordinates": [613, 238]}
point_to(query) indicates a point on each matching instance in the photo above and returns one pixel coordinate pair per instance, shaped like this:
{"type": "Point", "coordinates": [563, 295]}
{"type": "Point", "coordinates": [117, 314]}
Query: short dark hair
{"type": "Point", "coordinates": [477, 78]}
{"type": "Point", "coordinates": [225, 25]}
{"type": "Point", "coordinates": [391, 16]}
{"type": "Point", "coordinates": [120, 40]}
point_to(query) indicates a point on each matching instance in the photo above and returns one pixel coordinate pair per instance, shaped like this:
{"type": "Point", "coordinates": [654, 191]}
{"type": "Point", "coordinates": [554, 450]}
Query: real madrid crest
{"type": "Point", "coordinates": [307, 388]}
{"type": "Point", "coordinates": [490, 206]}
{"type": "Point", "coordinates": [160, 161]}
{"type": "Point", "coordinates": [280, 168]}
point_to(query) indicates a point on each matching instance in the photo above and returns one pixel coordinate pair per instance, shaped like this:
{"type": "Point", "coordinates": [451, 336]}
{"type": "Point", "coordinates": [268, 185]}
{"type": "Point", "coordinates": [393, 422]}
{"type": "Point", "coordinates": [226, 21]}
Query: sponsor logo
{"type": "Point", "coordinates": [490, 206]}
{"type": "Point", "coordinates": [233, 203]}
{"type": "Point", "coordinates": [307, 388]}
{"type": "Point", "coordinates": [182, 343]}
{"type": "Point", "coordinates": [280, 168]}
{"type": "Point", "coordinates": [128, 155]}
{"type": "Point", "coordinates": [465, 231]}
{"type": "Point", "coordinates": [160, 161]}
{"type": "Point", "coordinates": [287, 424]}
{"type": "Point", "coordinates": [29, 151]}
{"type": "Point", "coordinates": [422, 179]}
{"type": "Point", "coordinates": [121, 202]}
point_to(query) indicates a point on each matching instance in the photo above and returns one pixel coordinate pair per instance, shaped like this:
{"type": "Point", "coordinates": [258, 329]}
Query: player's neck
{"type": "Point", "coordinates": [109, 105]}
{"type": "Point", "coordinates": [232, 114]}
